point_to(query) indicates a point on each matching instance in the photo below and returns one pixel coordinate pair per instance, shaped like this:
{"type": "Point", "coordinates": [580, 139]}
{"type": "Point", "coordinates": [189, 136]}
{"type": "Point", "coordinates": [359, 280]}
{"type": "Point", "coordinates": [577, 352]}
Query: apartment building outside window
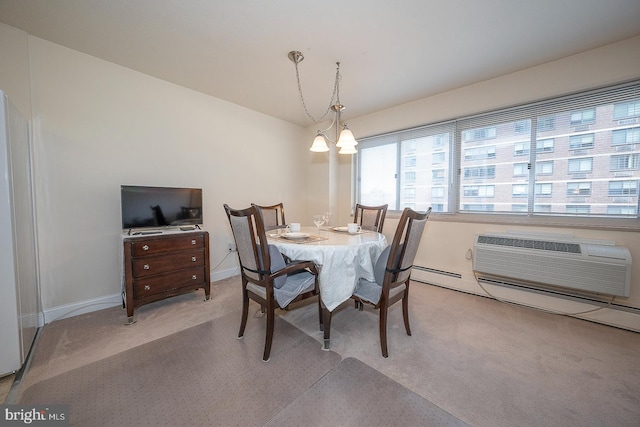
{"type": "Point", "coordinates": [574, 156]}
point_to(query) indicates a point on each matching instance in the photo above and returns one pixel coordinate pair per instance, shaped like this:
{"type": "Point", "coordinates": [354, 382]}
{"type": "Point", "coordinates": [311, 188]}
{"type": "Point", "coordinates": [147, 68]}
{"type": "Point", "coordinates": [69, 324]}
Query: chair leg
{"type": "Point", "coordinates": [327, 328]}
{"type": "Point", "coordinates": [245, 313]}
{"type": "Point", "coordinates": [383, 331]}
{"type": "Point", "coordinates": [269, 336]}
{"type": "Point", "coordinates": [320, 314]}
{"type": "Point", "coordinates": [405, 312]}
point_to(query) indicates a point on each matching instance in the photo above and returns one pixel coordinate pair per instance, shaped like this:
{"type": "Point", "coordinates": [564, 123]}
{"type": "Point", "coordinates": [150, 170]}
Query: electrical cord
{"type": "Point", "coordinates": [560, 313]}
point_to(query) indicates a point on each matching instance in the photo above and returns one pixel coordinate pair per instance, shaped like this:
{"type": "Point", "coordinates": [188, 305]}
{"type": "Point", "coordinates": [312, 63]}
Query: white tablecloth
{"type": "Point", "coordinates": [342, 259]}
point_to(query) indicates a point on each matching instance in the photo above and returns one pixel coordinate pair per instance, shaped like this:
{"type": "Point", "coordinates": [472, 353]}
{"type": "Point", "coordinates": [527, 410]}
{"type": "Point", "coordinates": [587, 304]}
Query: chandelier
{"type": "Point", "coordinates": [344, 137]}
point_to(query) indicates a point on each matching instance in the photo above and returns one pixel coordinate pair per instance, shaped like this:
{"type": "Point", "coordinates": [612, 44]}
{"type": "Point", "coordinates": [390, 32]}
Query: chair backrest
{"type": "Point", "coordinates": [251, 241]}
{"type": "Point", "coordinates": [370, 217]}
{"type": "Point", "coordinates": [272, 216]}
{"type": "Point", "coordinates": [405, 246]}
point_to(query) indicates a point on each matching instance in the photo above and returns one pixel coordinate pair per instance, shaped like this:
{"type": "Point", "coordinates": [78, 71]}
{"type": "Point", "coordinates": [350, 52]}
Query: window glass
{"type": "Point", "coordinates": [576, 155]}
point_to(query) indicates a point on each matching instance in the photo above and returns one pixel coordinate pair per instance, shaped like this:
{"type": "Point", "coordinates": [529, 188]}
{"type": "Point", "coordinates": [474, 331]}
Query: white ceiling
{"type": "Point", "coordinates": [390, 52]}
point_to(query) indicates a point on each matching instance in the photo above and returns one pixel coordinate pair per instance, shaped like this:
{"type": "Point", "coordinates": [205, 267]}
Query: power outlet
{"type": "Point", "coordinates": [232, 247]}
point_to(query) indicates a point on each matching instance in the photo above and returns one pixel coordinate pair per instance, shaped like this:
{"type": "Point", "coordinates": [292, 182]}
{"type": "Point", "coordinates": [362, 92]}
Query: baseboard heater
{"type": "Point", "coordinates": [558, 262]}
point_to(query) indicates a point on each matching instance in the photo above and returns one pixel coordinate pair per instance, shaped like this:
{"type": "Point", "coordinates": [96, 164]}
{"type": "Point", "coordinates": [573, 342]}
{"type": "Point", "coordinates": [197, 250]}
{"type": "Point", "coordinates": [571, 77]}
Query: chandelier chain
{"type": "Point", "coordinates": [334, 97]}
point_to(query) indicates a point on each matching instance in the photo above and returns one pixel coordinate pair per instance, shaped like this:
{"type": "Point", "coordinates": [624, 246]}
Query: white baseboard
{"type": "Point", "coordinates": [224, 274]}
{"type": "Point", "coordinates": [614, 315]}
{"type": "Point", "coordinates": [87, 306]}
{"type": "Point", "coordinates": [80, 307]}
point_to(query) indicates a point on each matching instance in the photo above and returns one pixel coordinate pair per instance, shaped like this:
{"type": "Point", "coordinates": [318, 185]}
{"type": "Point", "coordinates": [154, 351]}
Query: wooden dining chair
{"type": "Point", "coordinates": [272, 216]}
{"type": "Point", "coordinates": [370, 217]}
{"type": "Point", "coordinates": [266, 279]}
{"type": "Point", "coordinates": [392, 272]}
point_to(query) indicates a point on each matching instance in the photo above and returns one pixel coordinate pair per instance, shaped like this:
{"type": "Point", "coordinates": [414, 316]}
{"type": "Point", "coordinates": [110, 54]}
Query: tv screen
{"type": "Point", "coordinates": [154, 207]}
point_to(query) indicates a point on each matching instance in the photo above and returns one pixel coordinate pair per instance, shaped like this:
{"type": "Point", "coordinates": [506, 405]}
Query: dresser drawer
{"type": "Point", "coordinates": [148, 266]}
{"type": "Point", "coordinates": [154, 246]}
{"type": "Point", "coordinates": [166, 282]}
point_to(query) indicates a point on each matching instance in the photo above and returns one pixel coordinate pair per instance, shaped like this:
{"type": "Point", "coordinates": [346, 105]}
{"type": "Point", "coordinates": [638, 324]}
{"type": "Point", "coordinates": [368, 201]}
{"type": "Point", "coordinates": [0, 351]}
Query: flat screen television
{"type": "Point", "coordinates": [157, 207]}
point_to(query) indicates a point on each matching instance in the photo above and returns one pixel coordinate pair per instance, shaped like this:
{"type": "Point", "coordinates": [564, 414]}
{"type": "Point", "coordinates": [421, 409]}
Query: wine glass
{"type": "Point", "coordinates": [327, 217]}
{"type": "Point", "coordinates": [318, 220]}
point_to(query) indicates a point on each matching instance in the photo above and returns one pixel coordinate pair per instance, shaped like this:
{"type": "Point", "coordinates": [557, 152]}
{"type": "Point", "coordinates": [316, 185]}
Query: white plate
{"type": "Point", "coordinates": [341, 229]}
{"type": "Point", "coordinates": [295, 235]}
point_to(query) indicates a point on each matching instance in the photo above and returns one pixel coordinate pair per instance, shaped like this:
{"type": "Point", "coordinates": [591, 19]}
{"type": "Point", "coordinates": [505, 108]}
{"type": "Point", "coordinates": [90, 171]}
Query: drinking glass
{"type": "Point", "coordinates": [327, 217]}
{"type": "Point", "coordinates": [318, 220]}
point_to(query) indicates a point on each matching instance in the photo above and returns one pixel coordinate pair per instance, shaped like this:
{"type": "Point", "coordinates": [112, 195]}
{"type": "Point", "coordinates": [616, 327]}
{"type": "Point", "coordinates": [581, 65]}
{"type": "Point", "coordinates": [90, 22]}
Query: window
{"type": "Point", "coordinates": [437, 174]}
{"type": "Point", "coordinates": [544, 168]}
{"type": "Point", "coordinates": [625, 136]}
{"type": "Point", "coordinates": [410, 162]}
{"type": "Point", "coordinates": [546, 123]}
{"type": "Point", "coordinates": [480, 153]}
{"type": "Point", "coordinates": [520, 169]}
{"type": "Point", "coordinates": [479, 190]}
{"type": "Point", "coordinates": [519, 190]}
{"type": "Point", "coordinates": [578, 189]}
{"type": "Point", "coordinates": [523, 126]}
{"type": "Point", "coordinates": [479, 172]}
{"type": "Point", "coordinates": [409, 193]}
{"type": "Point", "coordinates": [625, 161]}
{"type": "Point", "coordinates": [578, 142]}
{"type": "Point", "coordinates": [544, 190]}
{"type": "Point", "coordinates": [574, 155]}
{"type": "Point", "coordinates": [479, 134]}
{"type": "Point", "coordinates": [437, 192]}
{"type": "Point", "coordinates": [521, 149]}
{"type": "Point", "coordinates": [624, 110]}
{"type": "Point", "coordinates": [578, 209]}
{"type": "Point", "coordinates": [627, 210]}
{"type": "Point", "coordinates": [583, 117]}
{"type": "Point", "coordinates": [545, 145]}
{"type": "Point", "coordinates": [623, 188]}
{"type": "Point", "coordinates": [584, 164]}
{"type": "Point", "coordinates": [438, 157]}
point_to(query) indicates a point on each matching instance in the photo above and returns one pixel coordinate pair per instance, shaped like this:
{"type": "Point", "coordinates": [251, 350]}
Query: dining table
{"type": "Point", "coordinates": [342, 259]}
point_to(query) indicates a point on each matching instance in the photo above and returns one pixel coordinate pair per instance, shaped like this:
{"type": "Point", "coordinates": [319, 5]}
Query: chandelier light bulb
{"type": "Point", "coordinates": [319, 144]}
{"type": "Point", "coordinates": [346, 139]}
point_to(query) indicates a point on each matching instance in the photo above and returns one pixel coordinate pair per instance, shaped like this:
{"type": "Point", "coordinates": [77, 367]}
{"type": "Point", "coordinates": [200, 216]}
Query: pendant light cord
{"type": "Point", "coordinates": [334, 97]}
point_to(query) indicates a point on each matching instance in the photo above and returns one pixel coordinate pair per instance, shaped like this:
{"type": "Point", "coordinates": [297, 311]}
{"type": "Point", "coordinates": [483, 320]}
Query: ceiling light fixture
{"type": "Point", "coordinates": [344, 137]}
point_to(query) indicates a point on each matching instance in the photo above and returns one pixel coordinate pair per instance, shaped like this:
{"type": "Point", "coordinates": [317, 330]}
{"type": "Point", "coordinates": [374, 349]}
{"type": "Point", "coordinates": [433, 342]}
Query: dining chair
{"type": "Point", "coordinates": [272, 216]}
{"type": "Point", "coordinates": [392, 272]}
{"type": "Point", "coordinates": [266, 278]}
{"type": "Point", "coordinates": [370, 217]}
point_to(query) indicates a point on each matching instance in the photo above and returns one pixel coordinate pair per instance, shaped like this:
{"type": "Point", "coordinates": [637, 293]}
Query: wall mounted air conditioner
{"type": "Point", "coordinates": [562, 262]}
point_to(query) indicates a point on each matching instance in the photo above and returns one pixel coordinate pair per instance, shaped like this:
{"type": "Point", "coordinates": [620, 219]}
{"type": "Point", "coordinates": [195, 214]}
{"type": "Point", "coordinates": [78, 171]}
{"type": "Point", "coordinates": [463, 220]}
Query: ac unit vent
{"type": "Point", "coordinates": [565, 262]}
{"type": "Point", "coordinates": [530, 244]}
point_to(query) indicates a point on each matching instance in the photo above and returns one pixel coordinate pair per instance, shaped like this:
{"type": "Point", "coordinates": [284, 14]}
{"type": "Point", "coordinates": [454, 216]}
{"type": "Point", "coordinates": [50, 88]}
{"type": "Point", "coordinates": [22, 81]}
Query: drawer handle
{"type": "Point", "coordinates": [146, 267]}
{"type": "Point", "coordinates": [145, 248]}
{"type": "Point", "coordinates": [193, 259]}
{"type": "Point", "coordinates": [193, 242]}
{"type": "Point", "coordinates": [147, 287]}
{"type": "Point", "coordinates": [194, 277]}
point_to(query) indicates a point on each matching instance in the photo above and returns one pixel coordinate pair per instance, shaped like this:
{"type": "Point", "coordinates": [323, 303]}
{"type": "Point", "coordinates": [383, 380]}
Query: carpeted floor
{"type": "Point", "coordinates": [354, 394]}
{"type": "Point", "coordinates": [205, 376]}
{"type": "Point", "coordinates": [485, 362]}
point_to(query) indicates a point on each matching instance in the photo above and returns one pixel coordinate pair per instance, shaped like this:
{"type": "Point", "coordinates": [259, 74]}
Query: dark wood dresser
{"type": "Point", "coordinates": [164, 265]}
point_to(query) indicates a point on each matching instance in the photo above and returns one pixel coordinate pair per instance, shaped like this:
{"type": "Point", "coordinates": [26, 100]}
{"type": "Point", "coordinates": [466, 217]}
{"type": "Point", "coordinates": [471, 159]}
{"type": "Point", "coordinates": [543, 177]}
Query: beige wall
{"type": "Point", "coordinates": [14, 71]}
{"type": "Point", "coordinates": [445, 243]}
{"type": "Point", "coordinates": [97, 126]}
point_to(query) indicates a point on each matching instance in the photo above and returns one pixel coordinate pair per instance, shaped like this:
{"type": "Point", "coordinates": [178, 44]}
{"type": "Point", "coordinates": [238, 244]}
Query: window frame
{"type": "Point", "coordinates": [461, 150]}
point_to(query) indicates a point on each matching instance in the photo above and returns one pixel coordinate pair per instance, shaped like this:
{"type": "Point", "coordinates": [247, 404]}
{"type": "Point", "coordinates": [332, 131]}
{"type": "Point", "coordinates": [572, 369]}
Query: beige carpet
{"type": "Point", "coordinates": [487, 363]}
{"type": "Point", "coordinates": [200, 376]}
{"type": "Point", "coordinates": [204, 376]}
{"type": "Point", "coordinates": [354, 394]}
